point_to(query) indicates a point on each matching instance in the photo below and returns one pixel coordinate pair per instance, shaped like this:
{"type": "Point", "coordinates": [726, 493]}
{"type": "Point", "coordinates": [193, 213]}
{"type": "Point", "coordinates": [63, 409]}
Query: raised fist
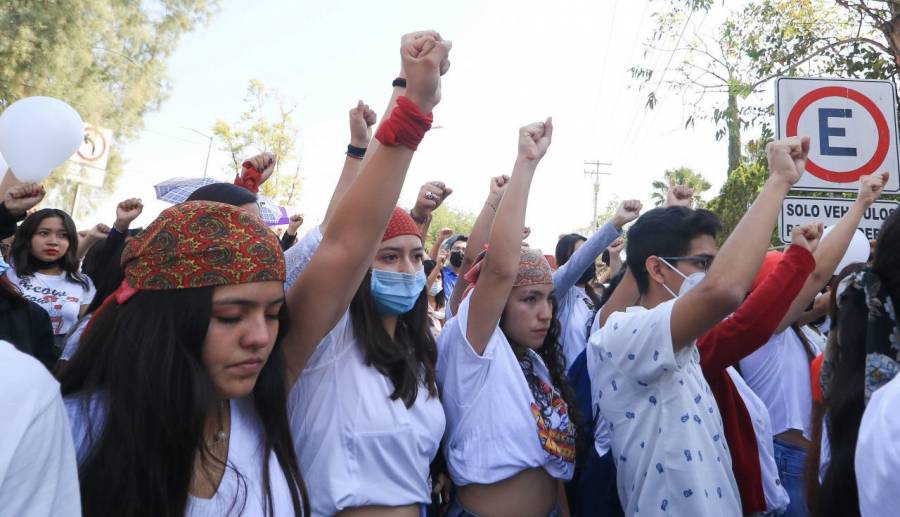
{"type": "Point", "coordinates": [264, 163]}
{"type": "Point", "coordinates": [615, 249]}
{"type": "Point", "coordinates": [807, 236]}
{"type": "Point", "coordinates": [871, 187]}
{"type": "Point", "coordinates": [294, 224]}
{"type": "Point", "coordinates": [498, 185]}
{"type": "Point", "coordinates": [425, 59]}
{"type": "Point", "coordinates": [98, 232]}
{"type": "Point", "coordinates": [628, 211]}
{"type": "Point", "coordinates": [126, 212]}
{"type": "Point", "coordinates": [680, 195]}
{"type": "Point", "coordinates": [23, 197]}
{"type": "Point", "coordinates": [431, 195]}
{"type": "Point", "coordinates": [787, 158]}
{"type": "Point", "coordinates": [362, 118]}
{"type": "Point", "coordinates": [534, 139]}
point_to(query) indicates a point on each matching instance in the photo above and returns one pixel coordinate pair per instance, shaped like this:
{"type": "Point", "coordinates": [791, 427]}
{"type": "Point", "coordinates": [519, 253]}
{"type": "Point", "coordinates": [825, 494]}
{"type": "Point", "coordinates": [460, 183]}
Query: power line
{"type": "Point", "coordinates": [629, 142]}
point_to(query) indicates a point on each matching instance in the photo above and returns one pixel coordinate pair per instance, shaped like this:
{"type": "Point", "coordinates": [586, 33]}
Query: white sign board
{"type": "Point", "coordinates": [852, 125]}
{"type": "Point", "coordinates": [804, 210]}
{"type": "Point", "coordinates": [88, 164]}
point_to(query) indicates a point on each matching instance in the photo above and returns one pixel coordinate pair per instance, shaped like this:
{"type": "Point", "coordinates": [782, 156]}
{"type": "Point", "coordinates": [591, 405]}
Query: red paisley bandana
{"type": "Point", "coordinates": [202, 244]}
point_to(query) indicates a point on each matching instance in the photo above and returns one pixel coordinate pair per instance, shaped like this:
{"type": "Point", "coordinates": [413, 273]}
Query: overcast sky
{"type": "Point", "coordinates": [512, 63]}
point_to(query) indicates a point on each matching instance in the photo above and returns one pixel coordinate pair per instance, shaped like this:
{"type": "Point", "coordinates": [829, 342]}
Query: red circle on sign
{"type": "Point", "coordinates": [881, 124]}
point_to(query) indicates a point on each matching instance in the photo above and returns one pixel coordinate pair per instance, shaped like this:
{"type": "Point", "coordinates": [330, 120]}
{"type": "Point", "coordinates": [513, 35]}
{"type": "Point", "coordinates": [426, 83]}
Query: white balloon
{"type": "Point", "coordinates": [37, 134]}
{"type": "Point", "coordinates": [857, 251]}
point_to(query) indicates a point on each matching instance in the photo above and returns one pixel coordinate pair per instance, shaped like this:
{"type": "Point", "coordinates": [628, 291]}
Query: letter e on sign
{"type": "Point", "coordinates": [852, 125]}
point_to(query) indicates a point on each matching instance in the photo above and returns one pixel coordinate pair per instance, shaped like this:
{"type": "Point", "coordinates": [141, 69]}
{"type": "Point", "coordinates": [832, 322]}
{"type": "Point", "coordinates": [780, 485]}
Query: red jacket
{"type": "Point", "coordinates": [733, 339]}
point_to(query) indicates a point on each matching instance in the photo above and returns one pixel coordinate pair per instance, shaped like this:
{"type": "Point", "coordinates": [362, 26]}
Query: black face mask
{"type": "Point", "coordinates": [588, 275]}
{"type": "Point", "coordinates": [456, 257]}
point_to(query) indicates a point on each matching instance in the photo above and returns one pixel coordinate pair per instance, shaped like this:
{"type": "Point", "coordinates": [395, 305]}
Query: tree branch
{"type": "Point", "coordinates": [819, 52]}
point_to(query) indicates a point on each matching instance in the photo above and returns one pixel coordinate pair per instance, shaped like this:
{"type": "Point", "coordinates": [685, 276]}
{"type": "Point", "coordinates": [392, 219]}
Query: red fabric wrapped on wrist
{"type": "Point", "coordinates": [250, 178]}
{"type": "Point", "coordinates": [407, 125]}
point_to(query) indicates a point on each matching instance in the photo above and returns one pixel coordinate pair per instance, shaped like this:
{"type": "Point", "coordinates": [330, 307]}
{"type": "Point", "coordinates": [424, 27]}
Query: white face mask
{"type": "Point", "coordinates": [435, 288]}
{"type": "Point", "coordinates": [689, 283]}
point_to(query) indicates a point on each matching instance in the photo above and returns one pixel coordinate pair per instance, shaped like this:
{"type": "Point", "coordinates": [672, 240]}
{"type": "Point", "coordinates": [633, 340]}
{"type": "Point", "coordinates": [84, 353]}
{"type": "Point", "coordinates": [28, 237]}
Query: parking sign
{"type": "Point", "coordinates": [852, 125]}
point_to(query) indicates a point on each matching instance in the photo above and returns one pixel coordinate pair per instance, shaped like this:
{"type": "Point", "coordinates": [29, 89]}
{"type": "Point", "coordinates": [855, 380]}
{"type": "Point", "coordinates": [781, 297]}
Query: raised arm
{"type": "Point", "coordinates": [126, 212]}
{"type": "Point", "coordinates": [832, 249]}
{"type": "Point", "coordinates": [431, 196]}
{"type": "Point", "coordinates": [732, 272]}
{"type": "Point", "coordinates": [362, 118]}
{"type": "Point", "coordinates": [17, 201]}
{"type": "Point", "coordinates": [751, 326]}
{"type": "Point", "coordinates": [498, 272]}
{"type": "Point", "coordinates": [481, 231]}
{"type": "Point", "coordinates": [569, 273]}
{"type": "Point", "coordinates": [316, 301]}
{"type": "Point", "coordinates": [96, 234]}
{"type": "Point", "coordinates": [443, 235]}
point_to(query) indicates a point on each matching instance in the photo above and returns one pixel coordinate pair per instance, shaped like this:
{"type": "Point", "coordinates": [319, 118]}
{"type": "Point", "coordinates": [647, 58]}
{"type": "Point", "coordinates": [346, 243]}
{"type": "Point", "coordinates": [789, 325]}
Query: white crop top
{"type": "Point", "coordinates": [492, 418]}
{"type": "Point", "coordinates": [356, 446]}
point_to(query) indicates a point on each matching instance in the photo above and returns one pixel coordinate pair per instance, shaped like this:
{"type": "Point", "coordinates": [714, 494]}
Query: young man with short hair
{"type": "Point", "coordinates": [667, 436]}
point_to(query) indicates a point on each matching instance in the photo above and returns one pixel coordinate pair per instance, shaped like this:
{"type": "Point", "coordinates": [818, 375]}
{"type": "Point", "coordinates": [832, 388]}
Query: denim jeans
{"type": "Point", "coordinates": [791, 461]}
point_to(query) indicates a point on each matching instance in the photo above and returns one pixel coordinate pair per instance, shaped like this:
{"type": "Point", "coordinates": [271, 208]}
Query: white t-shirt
{"type": "Point", "coordinates": [668, 441]}
{"type": "Point", "coordinates": [38, 474]}
{"type": "Point", "coordinates": [601, 428]}
{"type": "Point", "coordinates": [493, 425]}
{"type": "Point", "coordinates": [878, 453]}
{"type": "Point", "coordinates": [777, 498]}
{"type": "Point", "coordinates": [61, 298]}
{"type": "Point", "coordinates": [356, 446]}
{"type": "Point", "coordinates": [242, 495]}
{"type": "Point", "coordinates": [575, 316]}
{"type": "Point", "coordinates": [778, 373]}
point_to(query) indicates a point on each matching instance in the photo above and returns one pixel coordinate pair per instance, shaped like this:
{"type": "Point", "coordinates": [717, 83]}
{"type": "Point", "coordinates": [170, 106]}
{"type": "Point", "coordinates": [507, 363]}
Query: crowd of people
{"type": "Point", "coordinates": [202, 366]}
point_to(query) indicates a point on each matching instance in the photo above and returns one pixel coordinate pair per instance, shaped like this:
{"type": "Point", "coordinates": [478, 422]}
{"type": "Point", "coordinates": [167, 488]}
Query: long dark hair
{"type": "Point", "coordinates": [551, 354]}
{"type": "Point", "coordinates": [565, 248]}
{"type": "Point", "coordinates": [27, 264]}
{"type": "Point", "coordinates": [845, 401]}
{"type": "Point", "coordinates": [144, 359]}
{"type": "Point", "coordinates": [402, 357]}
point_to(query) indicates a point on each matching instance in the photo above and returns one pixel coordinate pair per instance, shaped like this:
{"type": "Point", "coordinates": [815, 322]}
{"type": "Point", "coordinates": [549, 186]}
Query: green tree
{"type": "Point", "coordinates": [718, 77]}
{"type": "Point", "coordinates": [460, 221]}
{"type": "Point", "coordinates": [680, 176]}
{"type": "Point", "coordinates": [267, 125]}
{"type": "Point", "coordinates": [106, 59]}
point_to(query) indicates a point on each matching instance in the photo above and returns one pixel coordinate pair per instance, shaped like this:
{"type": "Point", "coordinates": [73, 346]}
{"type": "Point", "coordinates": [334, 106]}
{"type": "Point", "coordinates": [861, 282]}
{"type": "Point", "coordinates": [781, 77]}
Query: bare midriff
{"type": "Point", "coordinates": [532, 492]}
{"type": "Point", "coordinates": [411, 510]}
{"type": "Point", "coordinates": [794, 437]}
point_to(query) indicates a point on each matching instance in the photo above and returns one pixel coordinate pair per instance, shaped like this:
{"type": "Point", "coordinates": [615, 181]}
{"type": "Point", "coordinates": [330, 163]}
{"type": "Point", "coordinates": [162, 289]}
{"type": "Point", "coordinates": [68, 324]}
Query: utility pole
{"type": "Point", "coordinates": [595, 176]}
{"type": "Point", "coordinates": [208, 149]}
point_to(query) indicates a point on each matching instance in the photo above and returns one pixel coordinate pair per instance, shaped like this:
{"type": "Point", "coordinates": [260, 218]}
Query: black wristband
{"type": "Point", "coordinates": [355, 152]}
{"type": "Point", "coordinates": [399, 82]}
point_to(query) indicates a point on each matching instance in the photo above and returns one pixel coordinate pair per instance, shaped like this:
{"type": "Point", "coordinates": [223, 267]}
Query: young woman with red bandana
{"type": "Point", "coordinates": [366, 417]}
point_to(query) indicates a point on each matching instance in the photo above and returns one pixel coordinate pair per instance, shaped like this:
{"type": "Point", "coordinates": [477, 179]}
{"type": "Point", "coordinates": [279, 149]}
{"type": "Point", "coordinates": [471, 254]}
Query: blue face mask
{"type": "Point", "coordinates": [4, 267]}
{"type": "Point", "coordinates": [396, 293]}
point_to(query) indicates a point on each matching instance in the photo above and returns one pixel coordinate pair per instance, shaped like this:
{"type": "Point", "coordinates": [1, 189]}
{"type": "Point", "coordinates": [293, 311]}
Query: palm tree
{"type": "Point", "coordinates": [680, 176]}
